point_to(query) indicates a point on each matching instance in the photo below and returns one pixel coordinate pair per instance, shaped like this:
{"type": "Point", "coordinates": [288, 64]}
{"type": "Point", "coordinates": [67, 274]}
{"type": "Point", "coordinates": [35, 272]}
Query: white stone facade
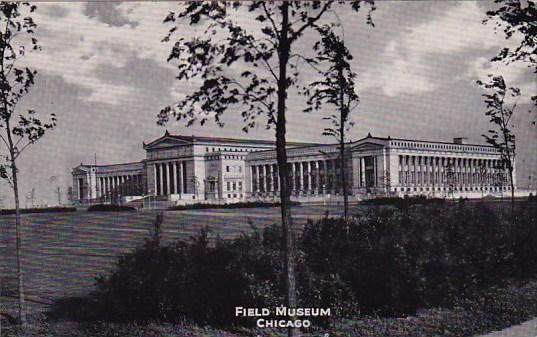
{"type": "Point", "coordinates": [383, 167]}
{"type": "Point", "coordinates": [108, 183]}
{"type": "Point", "coordinates": [186, 169]}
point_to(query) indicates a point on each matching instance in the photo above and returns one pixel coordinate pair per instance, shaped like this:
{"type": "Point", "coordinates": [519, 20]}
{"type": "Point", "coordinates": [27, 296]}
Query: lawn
{"type": "Point", "coordinates": [64, 252]}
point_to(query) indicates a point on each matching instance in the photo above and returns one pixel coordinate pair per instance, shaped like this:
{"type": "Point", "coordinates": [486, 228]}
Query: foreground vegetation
{"type": "Point", "coordinates": [472, 260]}
{"type": "Point", "coordinates": [38, 210]}
{"type": "Point", "coordinates": [109, 208]}
{"type": "Point", "coordinates": [495, 309]}
{"type": "Point", "coordinates": [246, 204]}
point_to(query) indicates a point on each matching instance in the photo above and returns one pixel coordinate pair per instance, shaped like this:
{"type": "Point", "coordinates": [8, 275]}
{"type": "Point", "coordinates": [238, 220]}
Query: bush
{"type": "Point", "coordinates": [386, 261]}
{"type": "Point", "coordinates": [403, 202]}
{"type": "Point", "coordinates": [192, 280]}
{"type": "Point", "coordinates": [109, 208]}
{"type": "Point", "coordinates": [492, 309]}
{"type": "Point", "coordinates": [38, 210]}
{"type": "Point", "coordinates": [252, 204]}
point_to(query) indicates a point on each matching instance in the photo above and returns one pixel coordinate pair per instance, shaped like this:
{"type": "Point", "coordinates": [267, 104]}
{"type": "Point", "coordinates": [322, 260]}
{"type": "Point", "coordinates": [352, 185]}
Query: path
{"type": "Point", "coordinates": [526, 329]}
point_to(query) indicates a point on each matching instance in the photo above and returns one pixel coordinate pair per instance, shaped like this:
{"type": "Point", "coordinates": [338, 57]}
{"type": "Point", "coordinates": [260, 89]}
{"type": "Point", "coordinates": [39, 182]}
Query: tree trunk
{"type": "Point", "coordinates": [512, 183]}
{"type": "Point", "coordinates": [344, 181]}
{"type": "Point", "coordinates": [283, 172]}
{"type": "Point", "coordinates": [18, 243]}
{"type": "Point", "coordinates": [343, 118]}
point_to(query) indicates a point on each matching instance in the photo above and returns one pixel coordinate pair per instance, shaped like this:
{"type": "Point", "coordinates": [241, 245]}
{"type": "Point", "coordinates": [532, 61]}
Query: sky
{"type": "Point", "coordinates": [103, 71]}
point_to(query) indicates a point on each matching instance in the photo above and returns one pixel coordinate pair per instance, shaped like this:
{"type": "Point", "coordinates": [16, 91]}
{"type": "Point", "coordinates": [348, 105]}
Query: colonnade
{"type": "Point", "coordinates": [306, 177]}
{"type": "Point", "coordinates": [129, 184]}
{"type": "Point", "coordinates": [170, 178]}
{"type": "Point", "coordinates": [465, 174]}
{"type": "Point", "coordinates": [368, 175]}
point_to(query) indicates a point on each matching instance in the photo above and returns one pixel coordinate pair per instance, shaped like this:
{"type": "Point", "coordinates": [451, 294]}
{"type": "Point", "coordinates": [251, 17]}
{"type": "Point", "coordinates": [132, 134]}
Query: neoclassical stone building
{"type": "Point", "coordinates": [186, 169]}
{"type": "Point", "coordinates": [383, 167]}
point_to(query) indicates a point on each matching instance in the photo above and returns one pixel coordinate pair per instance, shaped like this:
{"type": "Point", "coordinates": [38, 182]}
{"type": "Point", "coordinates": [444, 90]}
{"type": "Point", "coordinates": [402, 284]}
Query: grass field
{"type": "Point", "coordinates": [64, 252]}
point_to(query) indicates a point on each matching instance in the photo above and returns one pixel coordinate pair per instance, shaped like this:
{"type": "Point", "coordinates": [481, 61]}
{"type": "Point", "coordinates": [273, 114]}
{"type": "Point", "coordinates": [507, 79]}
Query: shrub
{"type": "Point", "coordinates": [191, 280]}
{"type": "Point", "coordinates": [109, 208]}
{"type": "Point", "coordinates": [38, 210]}
{"type": "Point", "coordinates": [402, 203]}
{"type": "Point", "coordinates": [249, 204]}
{"type": "Point", "coordinates": [386, 261]}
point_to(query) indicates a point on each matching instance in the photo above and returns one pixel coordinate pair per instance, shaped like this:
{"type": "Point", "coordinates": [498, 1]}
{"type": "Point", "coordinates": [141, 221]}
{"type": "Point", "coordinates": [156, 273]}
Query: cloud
{"type": "Point", "coordinates": [516, 74]}
{"type": "Point", "coordinates": [107, 12]}
{"type": "Point", "coordinates": [76, 43]}
{"type": "Point", "coordinates": [408, 60]}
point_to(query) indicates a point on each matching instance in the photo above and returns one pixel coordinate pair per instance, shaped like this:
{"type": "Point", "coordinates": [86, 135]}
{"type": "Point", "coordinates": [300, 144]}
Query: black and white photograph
{"type": "Point", "coordinates": [360, 168]}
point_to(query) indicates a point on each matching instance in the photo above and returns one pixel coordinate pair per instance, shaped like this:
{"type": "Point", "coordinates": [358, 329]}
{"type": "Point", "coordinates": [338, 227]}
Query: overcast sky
{"type": "Point", "coordinates": [103, 71]}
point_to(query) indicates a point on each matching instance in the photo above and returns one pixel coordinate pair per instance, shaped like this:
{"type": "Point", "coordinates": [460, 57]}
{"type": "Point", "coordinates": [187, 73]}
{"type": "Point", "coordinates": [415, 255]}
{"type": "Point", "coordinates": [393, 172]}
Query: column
{"type": "Point", "coordinates": [175, 189]}
{"type": "Point", "coordinates": [293, 177]}
{"type": "Point", "coordinates": [256, 178]}
{"type": "Point", "coordinates": [317, 180]}
{"type": "Point", "coordinates": [185, 189]}
{"type": "Point", "coordinates": [310, 189]}
{"type": "Point", "coordinates": [181, 188]}
{"type": "Point", "coordinates": [301, 173]}
{"type": "Point", "coordinates": [268, 178]}
{"type": "Point", "coordinates": [276, 177]}
{"type": "Point", "coordinates": [271, 178]}
{"type": "Point", "coordinates": [362, 172]}
{"type": "Point", "coordinates": [253, 182]}
{"type": "Point", "coordinates": [161, 178]}
{"type": "Point", "coordinates": [426, 172]}
{"type": "Point", "coordinates": [155, 166]}
{"type": "Point", "coordinates": [417, 165]}
{"type": "Point", "coordinates": [375, 175]}
{"type": "Point", "coordinates": [167, 170]}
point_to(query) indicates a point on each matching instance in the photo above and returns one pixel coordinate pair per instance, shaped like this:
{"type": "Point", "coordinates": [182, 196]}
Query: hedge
{"type": "Point", "coordinates": [38, 210]}
{"type": "Point", "coordinates": [109, 208]}
{"type": "Point", "coordinates": [250, 204]}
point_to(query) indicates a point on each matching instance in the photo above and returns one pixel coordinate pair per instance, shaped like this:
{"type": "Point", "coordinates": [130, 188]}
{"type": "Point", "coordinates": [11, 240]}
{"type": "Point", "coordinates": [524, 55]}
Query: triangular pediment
{"type": "Point", "coordinates": [367, 146]}
{"type": "Point", "coordinates": [165, 142]}
{"type": "Point", "coordinates": [80, 169]}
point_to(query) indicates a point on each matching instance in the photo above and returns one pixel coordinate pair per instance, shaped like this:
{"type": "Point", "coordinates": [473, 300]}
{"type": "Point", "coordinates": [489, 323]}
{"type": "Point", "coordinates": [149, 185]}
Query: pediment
{"type": "Point", "coordinates": [166, 142]}
{"type": "Point", "coordinates": [80, 170]}
{"type": "Point", "coordinates": [367, 146]}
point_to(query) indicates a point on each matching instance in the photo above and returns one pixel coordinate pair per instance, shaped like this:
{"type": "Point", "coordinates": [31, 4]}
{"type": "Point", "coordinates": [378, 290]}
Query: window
{"type": "Point", "coordinates": [240, 168]}
{"type": "Point", "coordinates": [228, 186]}
{"type": "Point", "coordinates": [227, 168]}
{"type": "Point", "coordinates": [234, 186]}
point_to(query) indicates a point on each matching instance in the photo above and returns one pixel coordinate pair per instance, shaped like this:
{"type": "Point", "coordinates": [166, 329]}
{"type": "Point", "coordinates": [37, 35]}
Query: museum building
{"type": "Point", "coordinates": [185, 169]}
